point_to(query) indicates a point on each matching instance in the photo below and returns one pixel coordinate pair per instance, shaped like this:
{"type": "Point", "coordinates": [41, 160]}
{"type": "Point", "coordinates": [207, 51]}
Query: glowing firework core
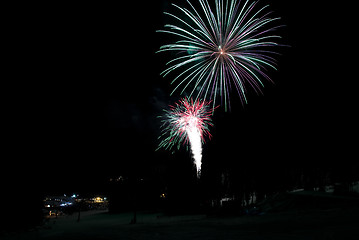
{"type": "Point", "coordinates": [221, 51]}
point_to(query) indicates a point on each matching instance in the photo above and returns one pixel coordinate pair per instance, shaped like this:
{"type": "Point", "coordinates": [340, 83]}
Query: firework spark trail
{"type": "Point", "coordinates": [221, 49]}
{"type": "Point", "coordinates": [194, 136]}
{"type": "Point", "coordinates": [187, 123]}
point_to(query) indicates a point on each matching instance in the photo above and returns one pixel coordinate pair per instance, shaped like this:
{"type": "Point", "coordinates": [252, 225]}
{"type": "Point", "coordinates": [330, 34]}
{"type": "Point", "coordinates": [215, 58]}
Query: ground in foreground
{"type": "Point", "coordinates": [336, 223]}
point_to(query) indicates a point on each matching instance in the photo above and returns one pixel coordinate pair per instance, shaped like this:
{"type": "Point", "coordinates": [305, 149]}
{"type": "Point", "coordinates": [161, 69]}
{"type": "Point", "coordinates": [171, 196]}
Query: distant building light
{"type": "Point", "coordinates": [65, 204]}
{"type": "Point", "coordinates": [98, 199]}
{"type": "Point", "coordinates": [116, 179]}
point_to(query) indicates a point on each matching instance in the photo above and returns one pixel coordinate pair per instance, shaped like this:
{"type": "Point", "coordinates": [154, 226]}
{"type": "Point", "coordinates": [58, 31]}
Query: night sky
{"type": "Point", "coordinates": [88, 93]}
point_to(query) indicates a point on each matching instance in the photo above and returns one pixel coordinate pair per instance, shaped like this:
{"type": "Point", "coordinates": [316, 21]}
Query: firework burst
{"type": "Point", "coordinates": [186, 123]}
{"type": "Point", "coordinates": [221, 49]}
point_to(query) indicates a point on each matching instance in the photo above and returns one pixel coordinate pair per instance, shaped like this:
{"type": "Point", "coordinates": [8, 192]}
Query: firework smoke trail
{"type": "Point", "coordinates": [187, 123]}
{"type": "Point", "coordinates": [221, 49]}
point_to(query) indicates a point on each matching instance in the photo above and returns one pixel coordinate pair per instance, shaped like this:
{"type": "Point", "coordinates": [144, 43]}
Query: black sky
{"type": "Point", "coordinates": [89, 91]}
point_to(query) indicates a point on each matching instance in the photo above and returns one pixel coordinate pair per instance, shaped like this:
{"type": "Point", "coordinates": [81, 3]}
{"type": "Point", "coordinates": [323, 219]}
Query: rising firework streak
{"type": "Point", "coordinates": [186, 123]}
